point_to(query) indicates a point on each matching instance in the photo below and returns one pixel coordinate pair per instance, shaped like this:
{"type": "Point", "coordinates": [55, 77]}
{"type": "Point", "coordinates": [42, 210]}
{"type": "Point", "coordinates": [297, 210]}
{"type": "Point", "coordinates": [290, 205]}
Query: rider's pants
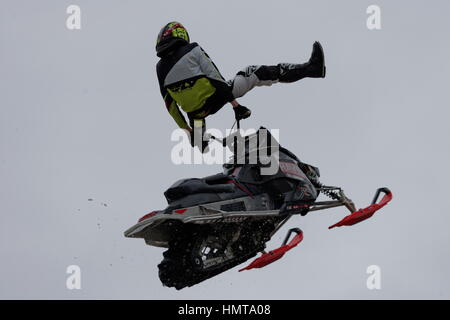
{"type": "Point", "coordinates": [253, 76]}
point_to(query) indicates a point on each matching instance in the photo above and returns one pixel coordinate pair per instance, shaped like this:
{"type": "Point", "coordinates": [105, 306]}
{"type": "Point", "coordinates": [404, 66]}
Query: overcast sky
{"type": "Point", "coordinates": [81, 118]}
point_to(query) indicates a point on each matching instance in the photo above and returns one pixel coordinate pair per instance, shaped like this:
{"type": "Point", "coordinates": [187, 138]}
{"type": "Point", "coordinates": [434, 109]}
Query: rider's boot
{"type": "Point", "coordinates": [314, 68]}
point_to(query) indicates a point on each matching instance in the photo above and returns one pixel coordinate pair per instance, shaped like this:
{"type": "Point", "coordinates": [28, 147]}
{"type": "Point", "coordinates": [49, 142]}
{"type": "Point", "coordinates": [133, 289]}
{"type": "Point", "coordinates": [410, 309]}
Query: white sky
{"type": "Point", "coordinates": [81, 117]}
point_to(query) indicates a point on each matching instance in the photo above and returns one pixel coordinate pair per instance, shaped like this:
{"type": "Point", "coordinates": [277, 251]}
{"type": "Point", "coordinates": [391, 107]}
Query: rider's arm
{"type": "Point", "coordinates": [170, 103]}
{"type": "Point", "coordinates": [175, 112]}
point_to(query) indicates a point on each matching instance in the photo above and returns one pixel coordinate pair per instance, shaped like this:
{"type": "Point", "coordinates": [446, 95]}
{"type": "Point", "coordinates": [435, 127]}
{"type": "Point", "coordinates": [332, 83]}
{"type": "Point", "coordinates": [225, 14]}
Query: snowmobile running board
{"type": "Point", "coordinates": [209, 215]}
{"type": "Point", "coordinates": [355, 217]}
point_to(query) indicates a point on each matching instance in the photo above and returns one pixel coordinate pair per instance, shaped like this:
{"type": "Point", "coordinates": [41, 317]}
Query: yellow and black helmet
{"type": "Point", "coordinates": [170, 36]}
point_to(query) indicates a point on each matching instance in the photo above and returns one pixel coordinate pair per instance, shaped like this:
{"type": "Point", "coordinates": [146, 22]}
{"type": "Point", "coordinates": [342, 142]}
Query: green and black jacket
{"type": "Point", "coordinates": [190, 80]}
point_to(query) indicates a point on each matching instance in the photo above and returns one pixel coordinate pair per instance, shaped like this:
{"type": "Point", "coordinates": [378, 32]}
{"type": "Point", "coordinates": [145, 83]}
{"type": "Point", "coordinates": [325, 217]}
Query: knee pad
{"type": "Point", "coordinates": [247, 71]}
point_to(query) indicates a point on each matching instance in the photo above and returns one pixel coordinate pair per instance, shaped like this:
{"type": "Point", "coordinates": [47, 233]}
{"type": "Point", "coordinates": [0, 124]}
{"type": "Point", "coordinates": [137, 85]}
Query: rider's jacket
{"type": "Point", "coordinates": [188, 78]}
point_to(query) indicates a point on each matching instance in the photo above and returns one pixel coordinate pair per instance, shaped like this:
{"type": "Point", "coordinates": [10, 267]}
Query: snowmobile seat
{"type": "Point", "coordinates": [185, 187]}
{"type": "Point", "coordinates": [218, 178]}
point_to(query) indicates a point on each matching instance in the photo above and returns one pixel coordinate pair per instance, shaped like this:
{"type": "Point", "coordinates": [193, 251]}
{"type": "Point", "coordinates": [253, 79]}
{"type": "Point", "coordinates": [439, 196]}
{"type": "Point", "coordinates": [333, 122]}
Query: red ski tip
{"type": "Point", "coordinates": [366, 213]}
{"type": "Point", "coordinates": [278, 253]}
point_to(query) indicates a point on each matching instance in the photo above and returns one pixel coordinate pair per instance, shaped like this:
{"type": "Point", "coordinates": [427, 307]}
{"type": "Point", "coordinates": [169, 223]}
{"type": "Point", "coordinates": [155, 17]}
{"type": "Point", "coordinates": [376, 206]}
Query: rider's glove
{"type": "Point", "coordinates": [241, 112]}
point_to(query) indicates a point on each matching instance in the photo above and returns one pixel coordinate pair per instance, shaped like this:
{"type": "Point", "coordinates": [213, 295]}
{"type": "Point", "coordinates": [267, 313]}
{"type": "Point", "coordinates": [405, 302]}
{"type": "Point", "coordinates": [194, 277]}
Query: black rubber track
{"type": "Point", "coordinates": [177, 269]}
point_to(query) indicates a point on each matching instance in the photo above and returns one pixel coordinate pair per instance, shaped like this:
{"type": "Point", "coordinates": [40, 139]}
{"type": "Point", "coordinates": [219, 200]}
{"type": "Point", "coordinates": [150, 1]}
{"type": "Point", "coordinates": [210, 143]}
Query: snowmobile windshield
{"type": "Point", "coordinates": [257, 148]}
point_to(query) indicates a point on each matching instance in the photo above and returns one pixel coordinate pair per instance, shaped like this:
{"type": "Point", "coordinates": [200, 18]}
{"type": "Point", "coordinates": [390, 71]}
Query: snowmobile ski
{"type": "Point", "coordinates": [276, 254]}
{"type": "Point", "coordinates": [365, 213]}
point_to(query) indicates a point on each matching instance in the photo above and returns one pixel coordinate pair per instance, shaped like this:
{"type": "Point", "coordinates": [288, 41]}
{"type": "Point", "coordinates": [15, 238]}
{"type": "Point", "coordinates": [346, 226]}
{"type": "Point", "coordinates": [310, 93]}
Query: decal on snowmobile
{"type": "Point", "coordinates": [292, 170]}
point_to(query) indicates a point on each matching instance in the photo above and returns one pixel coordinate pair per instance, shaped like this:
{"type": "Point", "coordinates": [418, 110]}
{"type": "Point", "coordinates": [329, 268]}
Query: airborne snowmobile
{"type": "Point", "coordinates": [217, 222]}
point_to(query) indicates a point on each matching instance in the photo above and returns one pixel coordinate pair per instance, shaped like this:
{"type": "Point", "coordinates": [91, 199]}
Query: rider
{"type": "Point", "coordinates": [189, 79]}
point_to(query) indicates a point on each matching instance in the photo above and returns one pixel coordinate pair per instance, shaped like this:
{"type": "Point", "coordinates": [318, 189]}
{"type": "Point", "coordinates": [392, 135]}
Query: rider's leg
{"type": "Point", "coordinates": [255, 76]}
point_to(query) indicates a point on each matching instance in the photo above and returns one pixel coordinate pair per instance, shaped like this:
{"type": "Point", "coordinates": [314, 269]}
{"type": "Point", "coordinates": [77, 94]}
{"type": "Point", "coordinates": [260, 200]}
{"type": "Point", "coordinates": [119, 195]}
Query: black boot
{"type": "Point", "coordinates": [314, 68]}
{"type": "Point", "coordinates": [317, 67]}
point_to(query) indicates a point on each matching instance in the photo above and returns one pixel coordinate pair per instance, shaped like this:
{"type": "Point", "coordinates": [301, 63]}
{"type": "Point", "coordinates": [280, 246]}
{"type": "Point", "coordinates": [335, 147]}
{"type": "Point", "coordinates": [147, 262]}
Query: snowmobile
{"type": "Point", "coordinates": [215, 223]}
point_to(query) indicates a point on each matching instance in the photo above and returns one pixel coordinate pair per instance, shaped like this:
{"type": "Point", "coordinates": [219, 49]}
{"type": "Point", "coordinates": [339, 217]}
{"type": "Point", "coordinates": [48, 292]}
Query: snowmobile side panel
{"type": "Point", "coordinates": [209, 215]}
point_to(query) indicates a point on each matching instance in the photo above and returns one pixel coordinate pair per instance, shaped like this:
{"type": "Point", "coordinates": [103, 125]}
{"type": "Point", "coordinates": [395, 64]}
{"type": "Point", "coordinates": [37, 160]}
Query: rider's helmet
{"type": "Point", "coordinates": [171, 35]}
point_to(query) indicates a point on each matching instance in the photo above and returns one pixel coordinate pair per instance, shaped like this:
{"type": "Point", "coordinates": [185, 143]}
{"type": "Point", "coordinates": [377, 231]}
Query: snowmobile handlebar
{"type": "Point", "coordinates": [224, 141]}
